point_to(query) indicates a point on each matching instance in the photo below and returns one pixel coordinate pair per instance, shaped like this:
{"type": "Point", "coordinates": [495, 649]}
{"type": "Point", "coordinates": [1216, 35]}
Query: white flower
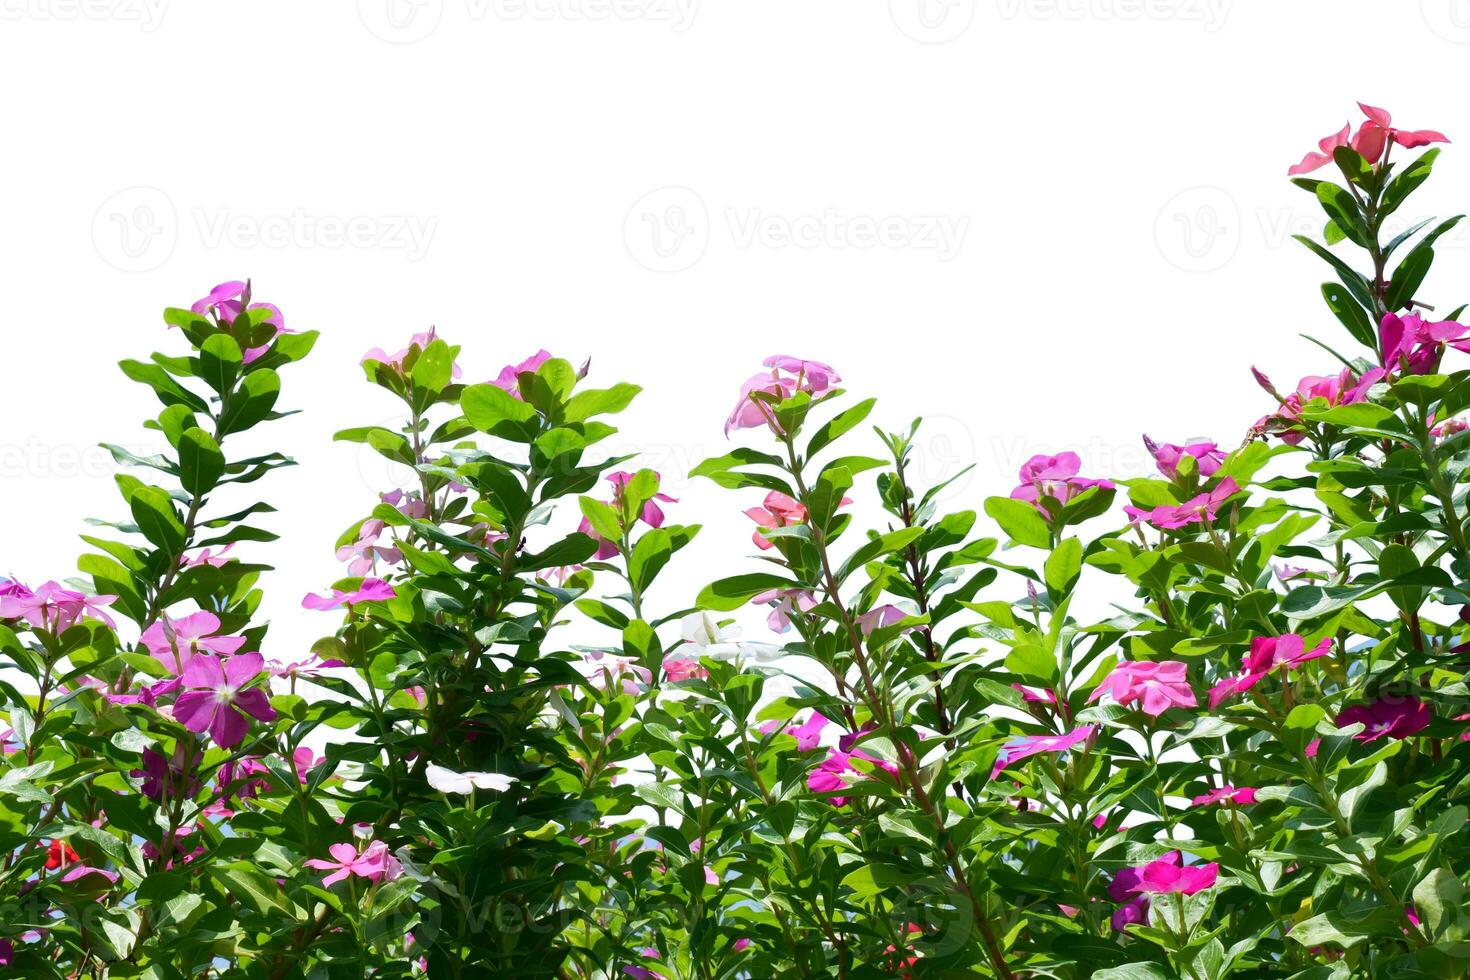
{"type": "Point", "coordinates": [706, 639]}
{"type": "Point", "coordinates": [464, 783]}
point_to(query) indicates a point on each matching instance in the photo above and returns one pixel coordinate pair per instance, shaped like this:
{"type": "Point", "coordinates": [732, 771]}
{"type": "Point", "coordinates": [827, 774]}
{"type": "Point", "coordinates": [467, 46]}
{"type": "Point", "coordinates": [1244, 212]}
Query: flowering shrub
{"type": "Point", "coordinates": [527, 750]}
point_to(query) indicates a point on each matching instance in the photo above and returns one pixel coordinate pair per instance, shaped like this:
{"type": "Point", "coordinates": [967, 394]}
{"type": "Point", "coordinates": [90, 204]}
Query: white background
{"type": "Point", "coordinates": [1111, 174]}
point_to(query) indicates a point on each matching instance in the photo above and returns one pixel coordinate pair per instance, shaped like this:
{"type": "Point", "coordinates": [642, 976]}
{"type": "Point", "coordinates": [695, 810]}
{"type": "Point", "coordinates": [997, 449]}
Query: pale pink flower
{"type": "Point", "coordinates": [1158, 685]}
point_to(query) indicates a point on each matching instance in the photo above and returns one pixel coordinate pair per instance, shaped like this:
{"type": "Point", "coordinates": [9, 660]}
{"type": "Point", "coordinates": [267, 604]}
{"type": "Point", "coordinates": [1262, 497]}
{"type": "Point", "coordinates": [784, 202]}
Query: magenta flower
{"type": "Point", "coordinates": [1288, 651]}
{"type": "Point", "coordinates": [375, 863]}
{"type": "Point", "coordinates": [1202, 509]}
{"type": "Point", "coordinates": [228, 300]}
{"type": "Point", "coordinates": [217, 697]}
{"type": "Point", "coordinates": [1054, 477]}
{"type": "Point", "coordinates": [1165, 877]}
{"type": "Point", "coordinates": [1159, 685]}
{"type": "Point", "coordinates": [784, 378]}
{"type": "Point", "coordinates": [52, 607]}
{"type": "Point", "coordinates": [164, 778]}
{"type": "Point", "coordinates": [1387, 717]}
{"type": "Point", "coordinates": [1030, 745]}
{"type": "Point", "coordinates": [1207, 457]}
{"type": "Point", "coordinates": [508, 379]}
{"type": "Point", "coordinates": [1243, 796]}
{"type": "Point", "coordinates": [371, 590]}
{"type": "Point", "coordinates": [830, 775]}
{"type": "Point", "coordinates": [809, 733]}
{"type": "Point", "coordinates": [1346, 388]}
{"type": "Point", "coordinates": [175, 642]}
{"type": "Point", "coordinates": [418, 342]}
{"type": "Point", "coordinates": [1416, 345]}
{"type": "Point", "coordinates": [785, 604]}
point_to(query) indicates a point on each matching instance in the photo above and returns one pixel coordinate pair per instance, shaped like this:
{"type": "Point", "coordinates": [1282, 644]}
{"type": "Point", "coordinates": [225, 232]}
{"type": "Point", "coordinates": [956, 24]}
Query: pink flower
{"type": "Point", "coordinates": [89, 874]}
{"type": "Point", "coordinates": [214, 559]}
{"type": "Point", "coordinates": [1165, 877]}
{"type": "Point", "coordinates": [1159, 685]}
{"type": "Point", "coordinates": [1030, 745]}
{"type": "Point", "coordinates": [651, 514]}
{"type": "Point", "coordinates": [509, 377]}
{"type": "Point", "coordinates": [829, 776]}
{"type": "Point", "coordinates": [1387, 717]}
{"type": "Point", "coordinates": [228, 300]}
{"type": "Point", "coordinates": [1287, 651]}
{"type": "Point", "coordinates": [683, 669]}
{"type": "Point", "coordinates": [1316, 161]}
{"type": "Point", "coordinates": [53, 608]}
{"type": "Point", "coordinates": [1346, 388]}
{"type": "Point", "coordinates": [1416, 345]}
{"type": "Point", "coordinates": [780, 510]}
{"type": "Point", "coordinates": [809, 733]}
{"type": "Point", "coordinates": [1054, 477]}
{"type": "Point", "coordinates": [1373, 136]}
{"type": "Point", "coordinates": [786, 603]}
{"type": "Point", "coordinates": [1242, 796]}
{"type": "Point", "coordinates": [365, 552]}
{"type": "Point", "coordinates": [407, 504]}
{"type": "Point", "coordinates": [308, 667]}
{"type": "Point", "coordinates": [164, 778]}
{"type": "Point", "coordinates": [417, 344]}
{"type": "Point", "coordinates": [880, 617]}
{"type": "Point", "coordinates": [786, 376]}
{"type": "Point", "coordinates": [217, 697]}
{"type": "Point", "coordinates": [175, 642]}
{"type": "Point", "coordinates": [1201, 509]}
{"type": "Point", "coordinates": [1207, 457]}
{"type": "Point", "coordinates": [740, 945]}
{"type": "Point", "coordinates": [375, 863]}
{"type": "Point", "coordinates": [371, 590]}
{"type": "Point", "coordinates": [1130, 913]}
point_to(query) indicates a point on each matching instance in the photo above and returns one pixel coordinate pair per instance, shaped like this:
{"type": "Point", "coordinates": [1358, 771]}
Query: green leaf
{"type": "Point", "coordinates": [219, 362]}
{"type": "Point", "coordinates": [843, 423]}
{"type": "Point", "coordinates": [1408, 277]}
{"type": "Point", "coordinates": [1343, 209]}
{"type": "Point", "coordinates": [1441, 903]}
{"type": "Point", "coordinates": [734, 592]}
{"type": "Point", "coordinates": [599, 401]}
{"type": "Point", "coordinates": [201, 463]}
{"type": "Point", "coordinates": [492, 410]}
{"type": "Point", "coordinates": [1020, 520]}
{"type": "Point", "coordinates": [154, 513]}
{"type": "Point", "coordinates": [1349, 313]}
{"type": "Point", "coordinates": [1032, 661]}
{"type": "Point", "coordinates": [1063, 566]}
